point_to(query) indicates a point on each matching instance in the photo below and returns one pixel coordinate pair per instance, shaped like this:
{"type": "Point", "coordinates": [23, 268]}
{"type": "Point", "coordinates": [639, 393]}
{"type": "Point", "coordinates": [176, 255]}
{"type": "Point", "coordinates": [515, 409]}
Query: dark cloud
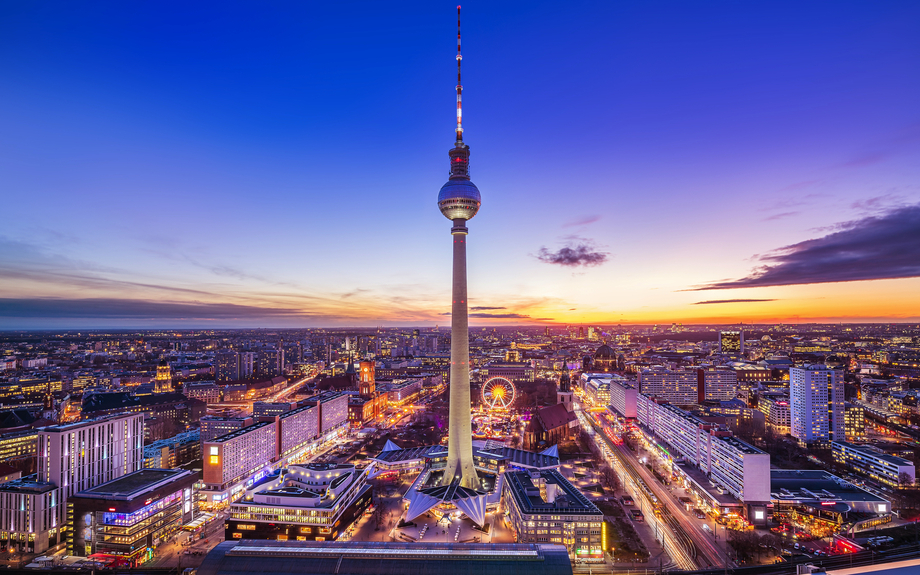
{"type": "Point", "coordinates": [885, 246]}
{"type": "Point", "coordinates": [485, 308]}
{"type": "Point", "coordinates": [508, 315]}
{"type": "Point", "coordinates": [110, 308]}
{"type": "Point", "coordinates": [580, 254]}
{"type": "Point", "coordinates": [712, 301]}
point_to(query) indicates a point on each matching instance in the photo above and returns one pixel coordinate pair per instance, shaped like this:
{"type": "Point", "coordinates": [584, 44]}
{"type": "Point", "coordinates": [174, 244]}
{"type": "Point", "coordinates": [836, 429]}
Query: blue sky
{"type": "Point", "coordinates": [277, 164]}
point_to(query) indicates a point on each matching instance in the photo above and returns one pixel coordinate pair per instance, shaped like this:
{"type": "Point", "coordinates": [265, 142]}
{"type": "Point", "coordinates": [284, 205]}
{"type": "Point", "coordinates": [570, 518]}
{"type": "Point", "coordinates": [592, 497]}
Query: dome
{"type": "Point", "coordinates": [459, 199]}
{"type": "Point", "coordinates": [604, 352]}
{"type": "Point", "coordinates": [766, 338]}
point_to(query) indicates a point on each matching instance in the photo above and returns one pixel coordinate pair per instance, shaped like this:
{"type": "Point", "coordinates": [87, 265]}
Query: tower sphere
{"type": "Point", "coordinates": [459, 200]}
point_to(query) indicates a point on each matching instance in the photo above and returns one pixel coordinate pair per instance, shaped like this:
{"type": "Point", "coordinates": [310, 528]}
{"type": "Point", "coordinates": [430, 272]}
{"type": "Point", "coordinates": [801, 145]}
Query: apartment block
{"type": "Point", "coordinates": [817, 402]}
{"type": "Point", "coordinates": [875, 464]}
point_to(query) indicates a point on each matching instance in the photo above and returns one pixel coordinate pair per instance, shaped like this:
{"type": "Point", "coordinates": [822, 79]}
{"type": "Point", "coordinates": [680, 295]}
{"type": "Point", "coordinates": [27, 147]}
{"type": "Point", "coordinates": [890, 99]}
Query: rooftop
{"type": "Point", "coordinates": [239, 432]}
{"type": "Point", "coordinates": [88, 422]}
{"type": "Point", "coordinates": [27, 485]}
{"type": "Point", "coordinates": [379, 558]}
{"type": "Point", "coordinates": [811, 485]}
{"type": "Point", "coordinates": [881, 456]}
{"type": "Point", "coordinates": [528, 494]}
{"type": "Point", "coordinates": [132, 484]}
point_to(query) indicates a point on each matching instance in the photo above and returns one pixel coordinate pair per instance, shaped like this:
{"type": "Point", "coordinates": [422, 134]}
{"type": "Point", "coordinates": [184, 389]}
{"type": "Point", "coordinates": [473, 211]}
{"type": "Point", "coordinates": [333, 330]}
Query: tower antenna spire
{"type": "Point", "coordinates": [459, 85]}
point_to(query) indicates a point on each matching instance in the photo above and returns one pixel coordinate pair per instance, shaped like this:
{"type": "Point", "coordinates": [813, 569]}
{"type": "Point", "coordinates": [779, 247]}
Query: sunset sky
{"type": "Point", "coordinates": [277, 164]}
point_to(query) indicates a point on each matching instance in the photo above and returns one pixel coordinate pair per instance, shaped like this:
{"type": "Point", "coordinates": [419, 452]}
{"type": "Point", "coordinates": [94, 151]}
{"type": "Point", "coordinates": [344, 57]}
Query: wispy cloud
{"type": "Point", "coordinates": [582, 221]}
{"type": "Point", "coordinates": [779, 216]}
{"type": "Point", "coordinates": [715, 301]}
{"type": "Point", "coordinates": [107, 308]}
{"type": "Point", "coordinates": [578, 252]}
{"type": "Point", "coordinates": [485, 308]}
{"type": "Point", "coordinates": [884, 246]}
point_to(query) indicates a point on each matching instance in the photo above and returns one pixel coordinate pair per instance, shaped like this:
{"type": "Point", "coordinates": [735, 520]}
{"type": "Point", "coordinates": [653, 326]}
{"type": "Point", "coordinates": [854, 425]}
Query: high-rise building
{"type": "Point", "coordinates": [731, 343]}
{"type": "Point", "coordinates": [459, 201]}
{"type": "Point", "coordinates": [247, 364]}
{"type": "Point", "coordinates": [817, 411]}
{"type": "Point", "coordinates": [227, 366]}
{"type": "Point", "coordinates": [71, 457]}
{"type": "Point", "coordinates": [270, 363]}
{"type": "Point", "coordinates": [81, 455]}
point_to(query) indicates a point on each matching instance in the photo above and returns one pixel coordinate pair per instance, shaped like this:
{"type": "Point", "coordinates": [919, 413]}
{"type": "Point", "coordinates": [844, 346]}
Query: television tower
{"type": "Point", "coordinates": [459, 200]}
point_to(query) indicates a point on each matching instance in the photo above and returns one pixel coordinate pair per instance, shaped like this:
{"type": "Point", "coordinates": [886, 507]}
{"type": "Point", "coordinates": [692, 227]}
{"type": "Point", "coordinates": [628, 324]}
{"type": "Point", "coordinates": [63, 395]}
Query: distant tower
{"type": "Point", "coordinates": [564, 393]}
{"type": "Point", "coordinates": [459, 200]}
{"type": "Point", "coordinates": [163, 381]}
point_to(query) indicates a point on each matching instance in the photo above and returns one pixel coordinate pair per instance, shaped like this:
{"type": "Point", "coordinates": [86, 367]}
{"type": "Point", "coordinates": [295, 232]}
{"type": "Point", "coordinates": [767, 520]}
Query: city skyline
{"type": "Point", "coordinates": [695, 164]}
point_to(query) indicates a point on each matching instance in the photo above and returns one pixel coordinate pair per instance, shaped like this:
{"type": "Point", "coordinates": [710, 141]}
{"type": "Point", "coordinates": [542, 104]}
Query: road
{"type": "Point", "coordinates": [688, 545]}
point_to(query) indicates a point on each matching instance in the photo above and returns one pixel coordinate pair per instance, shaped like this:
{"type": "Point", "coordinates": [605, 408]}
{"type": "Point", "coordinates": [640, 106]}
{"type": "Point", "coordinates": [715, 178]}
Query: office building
{"type": "Point", "coordinates": [205, 391]}
{"type": "Point", "coordinates": [776, 411]}
{"type": "Point", "coordinates": [131, 516]}
{"type": "Point", "coordinates": [30, 517]}
{"type": "Point", "coordinates": [18, 445]}
{"type": "Point", "coordinates": [623, 397]}
{"type": "Point", "coordinates": [672, 385]}
{"type": "Point", "coordinates": [731, 343]}
{"type": "Point", "coordinates": [543, 507]}
{"type": "Point", "coordinates": [213, 426]}
{"type": "Point", "coordinates": [716, 384]}
{"type": "Point", "coordinates": [314, 502]}
{"type": "Point", "coordinates": [817, 406]}
{"type": "Point", "coordinates": [70, 458]}
{"type": "Point", "coordinates": [265, 409]}
{"type": "Point", "coordinates": [516, 372]}
{"type": "Point", "coordinates": [888, 469]}
{"type": "Point", "coordinates": [77, 456]}
{"type": "Point", "coordinates": [854, 426]}
{"type": "Point", "coordinates": [173, 451]}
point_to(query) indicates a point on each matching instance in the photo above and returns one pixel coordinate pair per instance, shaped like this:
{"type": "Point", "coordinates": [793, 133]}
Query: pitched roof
{"type": "Point", "coordinates": [555, 416]}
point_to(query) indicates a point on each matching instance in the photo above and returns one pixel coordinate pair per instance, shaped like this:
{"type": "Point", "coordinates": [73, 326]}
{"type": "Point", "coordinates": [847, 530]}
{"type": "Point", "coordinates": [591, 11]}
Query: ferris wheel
{"type": "Point", "coordinates": [498, 393]}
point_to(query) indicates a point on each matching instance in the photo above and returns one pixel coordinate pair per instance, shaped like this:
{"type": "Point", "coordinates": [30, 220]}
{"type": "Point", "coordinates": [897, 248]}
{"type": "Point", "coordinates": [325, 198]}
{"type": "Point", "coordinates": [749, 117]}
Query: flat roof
{"type": "Point", "coordinates": [574, 502]}
{"type": "Point", "coordinates": [384, 558]}
{"type": "Point", "coordinates": [815, 484]}
{"type": "Point", "coordinates": [698, 477]}
{"type": "Point", "coordinates": [27, 485]}
{"type": "Point", "coordinates": [239, 432]}
{"type": "Point", "coordinates": [134, 483]}
{"type": "Point", "coordinates": [87, 422]}
{"type": "Point", "coordinates": [894, 460]}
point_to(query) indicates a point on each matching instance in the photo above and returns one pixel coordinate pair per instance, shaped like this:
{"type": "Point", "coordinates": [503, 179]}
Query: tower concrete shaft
{"type": "Point", "coordinates": [460, 433]}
